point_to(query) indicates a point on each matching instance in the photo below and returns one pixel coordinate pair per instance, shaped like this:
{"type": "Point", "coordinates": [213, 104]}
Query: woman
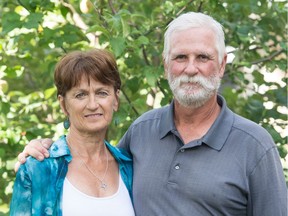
{"type": "Point", "coordinates": [84, 174]}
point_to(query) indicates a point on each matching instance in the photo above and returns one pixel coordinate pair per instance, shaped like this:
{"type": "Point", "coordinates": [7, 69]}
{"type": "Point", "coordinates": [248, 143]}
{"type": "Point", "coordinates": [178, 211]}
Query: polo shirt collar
{"type": "Point", "coordinates": [117, 153]}
{"type": "Point", "coordinates": [218, 132]}
{"type": "Point", "coordinates": [167, 120]}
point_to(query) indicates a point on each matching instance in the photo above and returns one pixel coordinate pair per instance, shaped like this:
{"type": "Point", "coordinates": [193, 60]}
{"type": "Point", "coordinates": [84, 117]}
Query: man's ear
{"type": "Point", "coordinates": [223, 65]}
{"type": "Point", "coordinates": [61, 100]}
{"type": "Point", "coordinates": [165, 66]}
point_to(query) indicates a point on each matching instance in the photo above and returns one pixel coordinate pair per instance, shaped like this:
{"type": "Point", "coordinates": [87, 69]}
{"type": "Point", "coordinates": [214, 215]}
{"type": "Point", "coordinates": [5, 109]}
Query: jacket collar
{"type": "Point", "coordinates": [60, 148]}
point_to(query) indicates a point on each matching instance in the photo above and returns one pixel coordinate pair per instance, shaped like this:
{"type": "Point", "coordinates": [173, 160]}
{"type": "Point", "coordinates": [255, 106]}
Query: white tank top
{"type": "Point", "coordinates": [76, 203]}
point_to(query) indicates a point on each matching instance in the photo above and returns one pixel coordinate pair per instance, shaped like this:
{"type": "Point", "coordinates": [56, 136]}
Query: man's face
{"type": "Point", "coordinates": [193, 70]}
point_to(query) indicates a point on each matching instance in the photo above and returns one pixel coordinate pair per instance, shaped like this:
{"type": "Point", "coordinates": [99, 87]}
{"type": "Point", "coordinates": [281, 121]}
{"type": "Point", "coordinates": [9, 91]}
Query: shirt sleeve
{"type": "Point", "coordinates": [124, 143]}
{"type": "Point", "coordinates": [21, 198]}
{"type": "Point", "coordinates": [268, 191]}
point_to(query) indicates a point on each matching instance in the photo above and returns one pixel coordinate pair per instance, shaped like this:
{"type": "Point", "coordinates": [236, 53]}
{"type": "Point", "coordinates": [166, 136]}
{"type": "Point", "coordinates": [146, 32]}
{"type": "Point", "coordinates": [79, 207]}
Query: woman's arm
{"type": "Point", "coordinates": [22, 193]}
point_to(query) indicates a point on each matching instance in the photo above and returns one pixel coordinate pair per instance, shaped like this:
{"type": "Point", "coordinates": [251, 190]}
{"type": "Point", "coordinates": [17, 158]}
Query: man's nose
{"type": "Point", "coordinates": [191, 67]}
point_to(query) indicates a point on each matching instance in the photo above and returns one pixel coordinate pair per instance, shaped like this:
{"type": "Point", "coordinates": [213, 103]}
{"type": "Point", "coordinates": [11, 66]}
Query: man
{"type": "Point", "coordinates": [195, 156]}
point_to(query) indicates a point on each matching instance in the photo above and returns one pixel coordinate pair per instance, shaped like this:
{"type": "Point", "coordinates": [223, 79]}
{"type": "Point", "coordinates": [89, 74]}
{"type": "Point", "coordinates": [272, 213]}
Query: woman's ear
{"type": "Point", "coordinates": [61, 100]}
{"type": "Point", "coordinates": [116, 102]}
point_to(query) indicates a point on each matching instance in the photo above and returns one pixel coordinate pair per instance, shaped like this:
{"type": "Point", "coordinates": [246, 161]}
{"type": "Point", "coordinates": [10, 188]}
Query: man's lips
{"type": "Point", "coordinates": [191, 83]}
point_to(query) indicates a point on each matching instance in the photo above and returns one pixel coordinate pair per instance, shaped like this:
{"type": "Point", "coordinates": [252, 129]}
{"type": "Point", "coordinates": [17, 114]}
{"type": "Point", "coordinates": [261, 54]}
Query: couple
{"type": "Point", "coordinates": [193, 157]}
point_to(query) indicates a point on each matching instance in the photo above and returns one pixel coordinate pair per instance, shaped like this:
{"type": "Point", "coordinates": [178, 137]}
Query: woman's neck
{"type": "Point", "coordinates": [86, 144]}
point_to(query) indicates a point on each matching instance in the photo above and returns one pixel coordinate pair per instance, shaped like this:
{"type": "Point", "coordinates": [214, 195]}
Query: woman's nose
{"type": "Point", "coordinates": [93, 103]}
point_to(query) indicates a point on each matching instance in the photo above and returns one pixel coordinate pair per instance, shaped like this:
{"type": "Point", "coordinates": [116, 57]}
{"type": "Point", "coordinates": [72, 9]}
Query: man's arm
{"type": "Point", "coordinates": [124, 142]}
{"type": "Point", "coordinates": [268, 195]}
{"type": "Point", "coordinates": [36, 148]}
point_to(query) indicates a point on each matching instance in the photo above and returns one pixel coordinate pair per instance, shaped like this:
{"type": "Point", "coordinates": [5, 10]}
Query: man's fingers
{"type": "Point", "coordinates": [35, 150]}
{"type": "Point", "coordinates": [40, 145]}
{"type": "Point", "coordinates": [46, 143]}
{"type": "Point", "coordinates": [17, 165]}
{"type": "Point", "coordinates": [21, 158]}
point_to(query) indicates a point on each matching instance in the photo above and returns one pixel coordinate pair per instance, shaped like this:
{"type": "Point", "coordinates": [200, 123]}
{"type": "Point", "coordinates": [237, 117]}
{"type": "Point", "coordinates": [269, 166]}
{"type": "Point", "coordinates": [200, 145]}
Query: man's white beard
{"type": "Point", "coordinates": [197, 93]}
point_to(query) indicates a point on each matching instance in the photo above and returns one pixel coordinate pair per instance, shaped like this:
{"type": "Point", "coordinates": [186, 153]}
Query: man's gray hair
{"type": "Point", "coordinates": [195, 20]}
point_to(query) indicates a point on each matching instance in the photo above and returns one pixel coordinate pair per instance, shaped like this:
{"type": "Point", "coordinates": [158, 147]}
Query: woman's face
{"type": "Point", "coordinates": [90, 106]}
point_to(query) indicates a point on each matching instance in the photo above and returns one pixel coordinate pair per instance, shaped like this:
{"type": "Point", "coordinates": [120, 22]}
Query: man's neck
{"type": "Point", "coordinates": [193, 123]}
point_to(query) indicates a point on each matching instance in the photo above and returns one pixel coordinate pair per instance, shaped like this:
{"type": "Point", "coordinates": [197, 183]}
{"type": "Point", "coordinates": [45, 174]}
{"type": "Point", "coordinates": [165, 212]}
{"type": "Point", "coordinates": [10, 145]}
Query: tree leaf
{"type": "Point", "coordinates": [118, 45]}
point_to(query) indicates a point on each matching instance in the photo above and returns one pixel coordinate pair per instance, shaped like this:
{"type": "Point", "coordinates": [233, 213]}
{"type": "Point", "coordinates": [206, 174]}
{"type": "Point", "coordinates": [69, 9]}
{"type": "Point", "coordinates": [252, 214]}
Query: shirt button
{"type": "Point", "coordinates": [182, 150]}
{"type": "Point", "coordinates": [177, 167]}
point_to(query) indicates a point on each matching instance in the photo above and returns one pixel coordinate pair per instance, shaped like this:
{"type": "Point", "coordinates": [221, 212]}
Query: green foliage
{"type": "Point", "coordinates": [34, 34]}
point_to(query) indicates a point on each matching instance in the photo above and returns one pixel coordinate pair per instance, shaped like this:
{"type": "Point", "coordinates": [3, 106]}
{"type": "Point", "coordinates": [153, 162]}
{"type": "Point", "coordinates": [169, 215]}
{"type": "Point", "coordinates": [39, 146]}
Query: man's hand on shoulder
{"type": "Point", "coordinates": [36, 148]}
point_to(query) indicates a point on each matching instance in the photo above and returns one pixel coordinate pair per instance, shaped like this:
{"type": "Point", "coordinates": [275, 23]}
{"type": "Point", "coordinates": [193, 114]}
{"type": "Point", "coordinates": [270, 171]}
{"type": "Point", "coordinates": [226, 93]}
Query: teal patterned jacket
{"type": "Point", "coordinates": [38, 185]}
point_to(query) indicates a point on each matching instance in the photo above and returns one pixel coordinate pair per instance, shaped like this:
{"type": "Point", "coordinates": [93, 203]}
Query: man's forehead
{"type": "Point", "coordinates": [186, 50]}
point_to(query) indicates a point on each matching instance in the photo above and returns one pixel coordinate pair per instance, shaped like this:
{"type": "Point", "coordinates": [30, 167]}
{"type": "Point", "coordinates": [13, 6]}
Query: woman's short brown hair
{"type": "Point", "coordinates": [97, 64]}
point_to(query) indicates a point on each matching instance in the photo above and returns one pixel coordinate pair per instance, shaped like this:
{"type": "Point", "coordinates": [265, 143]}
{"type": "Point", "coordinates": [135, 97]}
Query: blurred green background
{"type": "Point", "coordinates": [35, 33]}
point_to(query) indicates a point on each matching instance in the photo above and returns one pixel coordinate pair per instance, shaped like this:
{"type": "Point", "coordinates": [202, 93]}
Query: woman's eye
{"type": "Point", "coordinates": [80, 95]}
{"type": "Point", "coordinates": [102, 93]}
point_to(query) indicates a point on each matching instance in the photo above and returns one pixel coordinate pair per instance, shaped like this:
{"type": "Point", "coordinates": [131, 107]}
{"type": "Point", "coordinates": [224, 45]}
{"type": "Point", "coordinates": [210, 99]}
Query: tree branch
{"type": "Point", "coordinates": [111, 6]}
{"type": "Point", "coordinates": [80, 23]}
{"type": "Point", "coordinates": [183, 8]}
{"type": "Point", "coordinates": [127, 98]}
{"type": "Point", "coordinates": [200, 6]}
{"type": "Point", "coordinates": [145, 55]}
{"type": "Point", "coordinates": [268, 58]}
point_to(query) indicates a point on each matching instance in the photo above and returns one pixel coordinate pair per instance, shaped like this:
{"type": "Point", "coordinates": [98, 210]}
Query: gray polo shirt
{"type": "Point", "coordinates": [234, 169]}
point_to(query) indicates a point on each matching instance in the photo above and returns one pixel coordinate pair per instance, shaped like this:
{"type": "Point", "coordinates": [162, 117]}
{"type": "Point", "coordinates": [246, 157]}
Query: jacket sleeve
{"type": "Point", "coordinates": [21, 198]}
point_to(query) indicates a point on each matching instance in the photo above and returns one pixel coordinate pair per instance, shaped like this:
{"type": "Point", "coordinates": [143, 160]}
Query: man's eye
{"type": "Point", "coordinates": [180, 58]}
{"type": "Point", "coordinates": [203, 58]}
